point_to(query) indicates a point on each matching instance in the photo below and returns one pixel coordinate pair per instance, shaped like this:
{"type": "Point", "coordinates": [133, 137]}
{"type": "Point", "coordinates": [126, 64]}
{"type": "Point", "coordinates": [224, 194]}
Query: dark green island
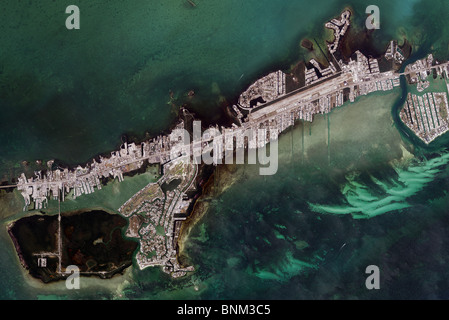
{"type": "Point", "coordinates": [90, 240]}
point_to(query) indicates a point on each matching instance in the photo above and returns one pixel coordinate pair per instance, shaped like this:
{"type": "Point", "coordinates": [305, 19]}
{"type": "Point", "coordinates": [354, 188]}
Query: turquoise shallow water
{"type": "Point", "coordinates": [70, 95]}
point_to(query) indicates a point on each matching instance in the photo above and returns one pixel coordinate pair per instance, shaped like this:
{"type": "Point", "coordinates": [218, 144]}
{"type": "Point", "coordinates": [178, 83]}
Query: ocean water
{"type": "Point", "coordinates": [351, 189]}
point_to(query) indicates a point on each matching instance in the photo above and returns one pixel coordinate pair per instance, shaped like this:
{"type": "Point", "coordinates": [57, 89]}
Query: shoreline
{"type": "Point", "coordinates": [199, 207]}
{"type": "Point", "coordinates": [202, 205]}
{"type": "Point", "coordinates": [50, 278]}
{"type": "Point", "coordinates": [17, 247]}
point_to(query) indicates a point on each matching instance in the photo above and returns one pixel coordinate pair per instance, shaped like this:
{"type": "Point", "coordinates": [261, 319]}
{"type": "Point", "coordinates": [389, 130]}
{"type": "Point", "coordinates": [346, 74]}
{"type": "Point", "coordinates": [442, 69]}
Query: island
{"type": "Point", "coordinates": [274, 103]}
{"type": "Point", "coordinates": [90, 240]}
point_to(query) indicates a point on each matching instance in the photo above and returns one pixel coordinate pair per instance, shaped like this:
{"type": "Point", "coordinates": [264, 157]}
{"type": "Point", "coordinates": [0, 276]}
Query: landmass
{"type": "Point", "coordinates": [91, 240]}
{"type": "Point", "coordinates": [274, 103]}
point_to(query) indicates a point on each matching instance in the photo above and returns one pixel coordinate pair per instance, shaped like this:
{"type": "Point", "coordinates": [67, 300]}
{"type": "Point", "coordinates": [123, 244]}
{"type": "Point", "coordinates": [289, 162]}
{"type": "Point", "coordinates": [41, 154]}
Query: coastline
{"type": "Point", "coordinates": [51, 276]}
{"type": "Point", "coordinates": [202, 205]}
{"type": "Point", "coordinates": [17, 246]}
